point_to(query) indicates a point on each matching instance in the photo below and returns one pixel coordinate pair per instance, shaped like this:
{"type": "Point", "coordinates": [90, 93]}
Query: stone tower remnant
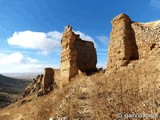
{"type": "Point", "coordinates": [131, 41]}
{"type": "Point", "coordinates": [77, 56]}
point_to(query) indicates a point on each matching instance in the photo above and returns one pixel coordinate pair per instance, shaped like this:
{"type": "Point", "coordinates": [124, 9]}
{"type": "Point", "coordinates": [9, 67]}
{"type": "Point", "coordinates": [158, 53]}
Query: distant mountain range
{"type": "Point", "coordinates": [21, 76]}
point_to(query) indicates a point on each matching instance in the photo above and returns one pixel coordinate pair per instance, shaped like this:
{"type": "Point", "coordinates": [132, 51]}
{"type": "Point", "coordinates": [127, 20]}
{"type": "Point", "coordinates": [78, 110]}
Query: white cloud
{"type": "Point", "coordinates": [155, 3]}
{"type": "Point", "coordinates": [9, 59]}
{"type": "Point", "coordinates": [103, 39]}
{"type": "Point", "coordinates": [31, 60]}
{"type": "Point", "coordinates": [15, 58]}
{"type": "Point", "coordinates": [102, 52]}
{"type": "Point", "coordinates": [44, 42]}
{"type": "Point", "coordinates": [45, 52]}
{"type": "Point", "coordinates": [18, 63]}
{"type": "Point", "coordinates": [102, 65]}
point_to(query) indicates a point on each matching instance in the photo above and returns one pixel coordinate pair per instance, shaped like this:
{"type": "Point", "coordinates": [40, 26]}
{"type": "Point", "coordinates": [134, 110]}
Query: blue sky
{"type": "Point", "coordinates": [31, 30]}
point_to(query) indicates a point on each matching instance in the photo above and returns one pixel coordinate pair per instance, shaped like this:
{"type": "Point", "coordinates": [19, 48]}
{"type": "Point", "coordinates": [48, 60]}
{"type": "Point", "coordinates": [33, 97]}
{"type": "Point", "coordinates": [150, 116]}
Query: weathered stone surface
{"type": "Point", "coordinates": [57, 77]}
{"type": "Point", "coordinates": [130, 41]}
{"type": "Point", "coordinates": [48, 78]}
{"type": "Point", "coordinates": [147, 37]}
{"type": "Point", "coordinates": [77, 55]}
{"type": "Point", "coordinates": [122, 47]}
{"type": "Point", "coordinates": [135, 87]}
{"type": "Point", "coordinates": [42, 83]}
{"type": "Point", "coordinates": [39, 79]}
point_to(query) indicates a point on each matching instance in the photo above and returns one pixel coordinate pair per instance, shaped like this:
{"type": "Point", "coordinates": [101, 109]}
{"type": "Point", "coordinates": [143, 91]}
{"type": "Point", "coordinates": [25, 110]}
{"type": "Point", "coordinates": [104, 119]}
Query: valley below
{"type": "Point", "coordinates": [12, 86]}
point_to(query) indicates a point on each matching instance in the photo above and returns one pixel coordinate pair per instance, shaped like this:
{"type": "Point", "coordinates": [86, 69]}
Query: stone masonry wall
{"type": "Point", "coordinates": [147, 37]}
{"type": "Point", "coordinates": [131, 41]}
{"type": "Point", "coordinates": [122, 46]}
{"type": "Point", "coordinates": [48, 78]}
{"type": "Point", "coordinates": [42, 84]}
{"type": "Point", "coordinates": [77, 56]}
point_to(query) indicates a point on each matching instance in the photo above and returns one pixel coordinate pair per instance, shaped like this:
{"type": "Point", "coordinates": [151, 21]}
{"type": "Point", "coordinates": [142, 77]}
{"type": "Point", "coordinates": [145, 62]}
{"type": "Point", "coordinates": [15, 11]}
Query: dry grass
{"type": "Point", "coordinates": [102, 97]}
{"type": "Point", "coordinates": [126, 95]}
{"type": "Point", "coordinates": [131, 90]}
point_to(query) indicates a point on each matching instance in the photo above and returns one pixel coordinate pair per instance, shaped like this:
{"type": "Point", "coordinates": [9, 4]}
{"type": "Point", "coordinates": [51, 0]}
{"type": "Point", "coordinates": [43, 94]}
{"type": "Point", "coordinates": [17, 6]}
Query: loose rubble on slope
{"type": "Point", "coordinates": [42, 84]}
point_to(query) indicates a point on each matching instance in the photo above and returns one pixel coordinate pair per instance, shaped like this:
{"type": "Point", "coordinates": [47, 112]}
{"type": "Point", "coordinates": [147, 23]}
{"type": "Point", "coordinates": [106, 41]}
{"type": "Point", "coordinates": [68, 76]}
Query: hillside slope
{"type": "Point", "coordinates": [132, 89]}
{"type": "Point", "coordinates": [129, 89]}
{"type": "Point", "coordinates": [10, 89]}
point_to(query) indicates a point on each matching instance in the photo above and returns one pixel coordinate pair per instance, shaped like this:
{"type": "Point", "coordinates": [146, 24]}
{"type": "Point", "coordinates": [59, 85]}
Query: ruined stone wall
{"type": "Point", "coordinates": [77, 55]}
{"type": "Point", "coordinates": [86, 55]}
{"type": "Point", "coordinates": [131, 41]}
{"type": "Point", "coordinates": [147, 37]}
{"type": "Point", "coordinates": [48, 78]}
{"type": "Point", "coordinates": [42, 84]}
{"type": "Point", "coordinates": [122, 46]}
{"type": "Point", "coordinates": [68, 56]}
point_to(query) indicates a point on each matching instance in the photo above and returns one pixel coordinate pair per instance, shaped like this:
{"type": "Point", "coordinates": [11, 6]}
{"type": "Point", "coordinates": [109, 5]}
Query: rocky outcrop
{"type": "Point", "coordinates": [42, 84]}
{"type": "Point", "coordinates": [130, 41]}
{"type": "Point", "coordinates": [77, 56]}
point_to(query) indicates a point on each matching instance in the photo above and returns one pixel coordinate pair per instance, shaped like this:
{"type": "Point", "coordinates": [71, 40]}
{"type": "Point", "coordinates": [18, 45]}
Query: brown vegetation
{"type": "Point", "coordinates": [133, 88]}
